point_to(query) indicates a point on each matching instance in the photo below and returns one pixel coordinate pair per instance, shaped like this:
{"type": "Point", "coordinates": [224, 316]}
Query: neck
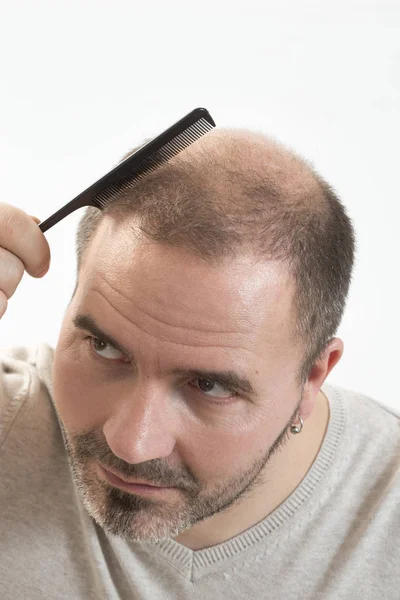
{"type": "Point", "coordinates": [286, 469]}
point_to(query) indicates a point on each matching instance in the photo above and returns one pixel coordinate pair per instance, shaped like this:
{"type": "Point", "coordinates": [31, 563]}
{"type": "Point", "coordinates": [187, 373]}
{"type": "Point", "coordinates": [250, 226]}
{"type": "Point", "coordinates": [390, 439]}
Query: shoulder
{"type": "Point", "coordinates": [366, 413]}
{"type": "Point", "coordinates": [370, 442]}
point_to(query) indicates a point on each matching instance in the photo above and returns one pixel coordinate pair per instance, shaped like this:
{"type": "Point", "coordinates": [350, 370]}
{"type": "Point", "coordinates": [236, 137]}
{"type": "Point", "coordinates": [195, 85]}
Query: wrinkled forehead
{"type": "Point", "coordinates": [135, 272]}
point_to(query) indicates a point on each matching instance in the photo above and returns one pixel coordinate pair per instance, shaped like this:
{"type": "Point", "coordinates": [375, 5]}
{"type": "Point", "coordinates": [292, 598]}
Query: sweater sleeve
{"type": "Point", "coordinates": [16, 373]}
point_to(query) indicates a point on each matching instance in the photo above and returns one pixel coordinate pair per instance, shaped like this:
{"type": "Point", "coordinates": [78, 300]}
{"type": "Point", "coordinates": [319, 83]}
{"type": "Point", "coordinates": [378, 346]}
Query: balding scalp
{"type": "Point", "coordinates": [234, 190]}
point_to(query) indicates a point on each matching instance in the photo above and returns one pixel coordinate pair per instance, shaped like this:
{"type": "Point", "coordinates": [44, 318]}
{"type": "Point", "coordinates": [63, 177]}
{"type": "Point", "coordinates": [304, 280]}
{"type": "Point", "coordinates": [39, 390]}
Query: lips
{"type": "Point", "coordinates": [132, 481]}
{"type": "Point", "coordinates": [134, 488]}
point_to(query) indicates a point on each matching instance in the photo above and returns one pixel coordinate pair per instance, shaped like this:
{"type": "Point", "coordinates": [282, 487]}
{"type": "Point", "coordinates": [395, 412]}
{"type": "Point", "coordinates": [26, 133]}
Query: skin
{"type": "Point", "coordinates": [23, 247]}
{"type": "Point", "coordinates": [229, 459]}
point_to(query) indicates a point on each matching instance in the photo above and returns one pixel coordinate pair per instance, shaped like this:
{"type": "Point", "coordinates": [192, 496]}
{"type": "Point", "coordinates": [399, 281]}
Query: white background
{"type": "Point", "coordinates": [83, 82]}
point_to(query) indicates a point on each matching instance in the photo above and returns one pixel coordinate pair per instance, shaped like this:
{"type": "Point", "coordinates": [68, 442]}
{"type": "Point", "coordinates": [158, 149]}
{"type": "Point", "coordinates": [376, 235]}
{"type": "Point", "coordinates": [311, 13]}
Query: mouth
{"type": "Point", "coordinates": [133, 486]}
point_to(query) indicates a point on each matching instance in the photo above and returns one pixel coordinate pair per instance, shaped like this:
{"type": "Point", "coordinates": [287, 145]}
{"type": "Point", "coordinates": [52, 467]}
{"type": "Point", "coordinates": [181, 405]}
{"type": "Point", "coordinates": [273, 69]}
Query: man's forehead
{"type": "Point", "coordinates": [126, 246]}
{"type": "Point", "coordinates": [128, 268]}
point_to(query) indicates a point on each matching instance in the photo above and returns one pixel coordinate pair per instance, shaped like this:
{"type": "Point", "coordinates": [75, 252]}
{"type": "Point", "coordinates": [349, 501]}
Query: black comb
{"type": "Point", "coordinates": [145, 160]}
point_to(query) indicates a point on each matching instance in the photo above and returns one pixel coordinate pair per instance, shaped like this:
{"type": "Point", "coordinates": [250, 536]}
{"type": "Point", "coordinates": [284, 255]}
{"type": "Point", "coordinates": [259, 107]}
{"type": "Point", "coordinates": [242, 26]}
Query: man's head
{"type": "Point", "coordinates": [223, 276]}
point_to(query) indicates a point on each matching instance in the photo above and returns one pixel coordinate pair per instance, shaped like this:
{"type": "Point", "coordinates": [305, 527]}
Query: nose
{"type": "Point", "coordinates": [142, 427]}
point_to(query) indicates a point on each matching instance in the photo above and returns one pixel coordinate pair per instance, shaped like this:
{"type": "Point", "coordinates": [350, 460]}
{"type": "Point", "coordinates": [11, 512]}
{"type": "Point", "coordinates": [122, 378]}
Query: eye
{"type": "Point", "coordinates": [105, 350]}
{"type": "Point", "coordinates": [213, 389]}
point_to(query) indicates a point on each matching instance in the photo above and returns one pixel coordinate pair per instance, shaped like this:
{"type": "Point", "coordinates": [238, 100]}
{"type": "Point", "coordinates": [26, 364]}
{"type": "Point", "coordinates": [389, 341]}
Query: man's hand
{"type": "Point", "coordinates": [23, 247]}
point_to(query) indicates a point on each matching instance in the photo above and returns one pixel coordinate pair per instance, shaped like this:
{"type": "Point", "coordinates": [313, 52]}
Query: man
{"type": "Point", "coordinates": [182, 441]}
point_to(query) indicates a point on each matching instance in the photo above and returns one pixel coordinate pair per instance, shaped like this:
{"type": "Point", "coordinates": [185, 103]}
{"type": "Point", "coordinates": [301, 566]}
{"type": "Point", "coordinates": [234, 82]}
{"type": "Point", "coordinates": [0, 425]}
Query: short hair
{"type": "Point", "coordinates": [234, 190]}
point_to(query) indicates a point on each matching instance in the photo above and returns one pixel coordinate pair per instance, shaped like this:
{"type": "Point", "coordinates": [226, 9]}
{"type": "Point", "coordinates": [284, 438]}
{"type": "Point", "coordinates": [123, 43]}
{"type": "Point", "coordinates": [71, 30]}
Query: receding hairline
{"type": "Point", "coordinates": [225, 162]}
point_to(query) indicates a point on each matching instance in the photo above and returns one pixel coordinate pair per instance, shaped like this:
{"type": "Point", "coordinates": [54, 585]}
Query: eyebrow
{"type": "Point", "coordinates": [87, 322]}
{"type": "Point", "coordinates": [228, 379]}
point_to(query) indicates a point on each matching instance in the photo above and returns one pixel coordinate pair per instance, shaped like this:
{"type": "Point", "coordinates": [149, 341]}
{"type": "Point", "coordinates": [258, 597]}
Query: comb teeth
{"type": "Point", "coordinates": [153, 162]}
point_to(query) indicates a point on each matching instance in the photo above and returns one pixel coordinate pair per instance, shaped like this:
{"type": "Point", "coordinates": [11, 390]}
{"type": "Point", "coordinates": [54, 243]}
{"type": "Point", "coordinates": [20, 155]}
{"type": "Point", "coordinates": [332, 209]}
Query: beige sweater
{"type": "Point", "coordinates": [337, 535]}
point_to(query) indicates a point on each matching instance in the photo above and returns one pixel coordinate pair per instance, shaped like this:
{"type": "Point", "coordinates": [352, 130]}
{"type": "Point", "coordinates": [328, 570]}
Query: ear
{"type": "Point", "coordinates": [320, 371]}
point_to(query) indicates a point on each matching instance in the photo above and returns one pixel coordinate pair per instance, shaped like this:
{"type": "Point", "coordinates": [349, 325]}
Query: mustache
{"type": "Point", "coordinates": [86, 447]}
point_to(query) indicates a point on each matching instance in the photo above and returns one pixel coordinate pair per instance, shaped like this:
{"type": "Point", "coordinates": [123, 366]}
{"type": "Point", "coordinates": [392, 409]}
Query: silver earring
{"type": "Point", "coordinates": [296, 428]}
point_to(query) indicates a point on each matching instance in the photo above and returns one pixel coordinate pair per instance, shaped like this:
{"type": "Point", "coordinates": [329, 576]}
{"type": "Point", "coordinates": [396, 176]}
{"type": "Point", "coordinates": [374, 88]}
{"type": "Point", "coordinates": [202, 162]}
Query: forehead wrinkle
{"type": "Point", "coordinates": [193, 345]}
{"type": "Point", "coordinates": [154, 318]}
